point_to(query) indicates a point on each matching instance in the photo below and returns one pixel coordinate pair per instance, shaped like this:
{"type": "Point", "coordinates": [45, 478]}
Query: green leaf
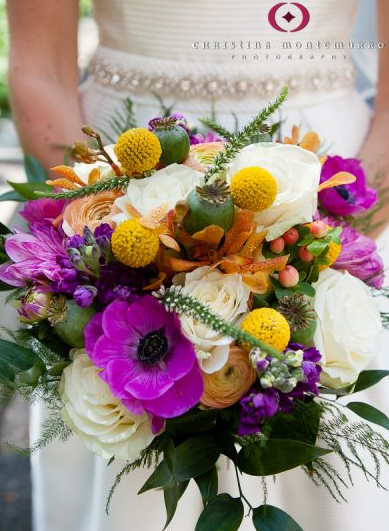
{"type": "Point", "coordinates": [195, 456]}
{"type": "Point", "coordinates": [7, 375]}
{"type": "Point", "coordinates": [370, 413]}
{"type": "Point", "coordinates": [369, 378]}
{"type": "Point", "coordinates": [172, 495]}
{"type": "Point", "coordinates": [4, 230]}
{"type": "Point", "coordinates": [57, 370]}
{"type": "Point", "coordinates": [12, 196]}
{"type": "Point", "coordinates": [269, 518]}
{"type": "Point", "coordinates": [300, 425]}
{"type": "Point", "coordinates": [276, 455]}
{"type": "Point", "coordinates": [306, 241]}
{"type": "Point", "coordinates": [17, 356]}
{"type": "Point", "coordinates": [223, 513]}
{"type": "Point", "coordinates": [27, 190]}
{"type": "Point", "coordinates": [161, 477]}
{"type": "Point", "coordinates": [208, 485]}
{"type": "Point", "coordinates": [317, 247]}
{"type": "Point", "coordinates": [34, 170]}
{"type": "Point", "coordinates": [259, 302]}
{"type": "Point", "coordinates": [305, 289]}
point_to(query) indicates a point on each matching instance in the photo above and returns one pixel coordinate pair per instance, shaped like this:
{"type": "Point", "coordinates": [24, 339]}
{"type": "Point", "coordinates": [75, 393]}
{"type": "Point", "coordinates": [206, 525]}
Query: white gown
{"type": "Point", "coordinates": [150, 45]}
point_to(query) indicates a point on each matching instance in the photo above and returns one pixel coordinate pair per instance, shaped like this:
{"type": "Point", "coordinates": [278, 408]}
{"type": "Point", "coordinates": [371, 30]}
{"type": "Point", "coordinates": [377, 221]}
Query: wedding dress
{"type": "Point", "coordinates": [183, 52]}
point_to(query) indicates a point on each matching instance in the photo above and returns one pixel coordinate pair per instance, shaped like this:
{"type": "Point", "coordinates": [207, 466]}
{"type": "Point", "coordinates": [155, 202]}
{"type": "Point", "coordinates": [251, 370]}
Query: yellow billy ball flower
{"type": "Point", "coordinates": [138, 150]}
{"type": "Point", "coordinates": [269, 326]}
{"type": "Point", "coordinates": [135, 245]}
{"type": "Point", "coordinates": [332, 255]}
{"type": "Point", "coordinates": [253, 188]}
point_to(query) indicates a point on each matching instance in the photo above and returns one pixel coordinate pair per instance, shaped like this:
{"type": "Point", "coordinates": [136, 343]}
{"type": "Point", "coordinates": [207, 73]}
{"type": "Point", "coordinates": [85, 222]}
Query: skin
{"type": "Point", "coordinates": [43, 61]}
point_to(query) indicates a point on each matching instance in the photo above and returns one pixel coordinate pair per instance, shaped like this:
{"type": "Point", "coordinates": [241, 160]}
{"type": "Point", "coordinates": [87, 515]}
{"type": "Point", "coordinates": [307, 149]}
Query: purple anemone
{"type": "Point", "coordinates": [348, 199]}
{"type": "Point", "coordinates": [147, 361]}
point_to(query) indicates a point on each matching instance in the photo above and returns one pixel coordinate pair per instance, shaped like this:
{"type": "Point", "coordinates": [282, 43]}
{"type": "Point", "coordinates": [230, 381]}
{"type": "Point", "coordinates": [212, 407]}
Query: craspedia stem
{"type": "Point", "coordinates": [113, 183]}
{"type": "Point", "coordinates": [175, 299]}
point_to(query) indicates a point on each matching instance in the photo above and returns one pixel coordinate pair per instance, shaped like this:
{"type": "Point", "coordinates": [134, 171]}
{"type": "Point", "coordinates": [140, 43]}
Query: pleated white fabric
{"type": "Point", "coordinates": [70, 484]}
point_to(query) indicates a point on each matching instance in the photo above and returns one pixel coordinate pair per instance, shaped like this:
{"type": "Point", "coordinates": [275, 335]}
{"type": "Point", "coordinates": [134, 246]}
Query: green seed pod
{"type": "Point", "coordinates": [174, 140]}
{"type": "Point", "coordinates": [70, 328]}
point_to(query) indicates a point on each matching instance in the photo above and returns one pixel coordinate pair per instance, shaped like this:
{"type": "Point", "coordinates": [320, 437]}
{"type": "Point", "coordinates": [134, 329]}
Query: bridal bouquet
{"type": "Point", "coordinates": [186, 297]}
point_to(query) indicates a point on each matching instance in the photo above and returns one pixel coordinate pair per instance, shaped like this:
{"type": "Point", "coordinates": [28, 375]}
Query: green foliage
{"type": "Point", "coordinates": [172, 495]}
{"type": "Point", "coordinates": [34, 170]}
{"type": "Point", "coordinates": [208, 485]}
{"type": "Point", "coordinates": [177, 300]}
{"type": "Point", "coordinates": [113, 183]}
{"type": "Point", "coordinates": [269, 518]}
{"type": "Point", "coordinates": [28, 191]}
{"type": "Point", "coordinates": [223, 513]}
{"type": "Point", "coordinates": [121, 121]}
{"type": "Point", "coordinates": [370, 413]}
{"type": "Point", "coordinates": [347, 440]}
{"type": "Point", "coordinates": [238, 141]}
{"type": "Point", "coordinates": [367, 379]}
{"type": "Point", "coordinates": [217, 128]}
{"type": "Point", "coordinates": [274, 456]}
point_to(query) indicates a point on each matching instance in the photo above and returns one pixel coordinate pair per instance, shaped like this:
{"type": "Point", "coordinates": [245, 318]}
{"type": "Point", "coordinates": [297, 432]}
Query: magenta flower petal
{"type": "Point", "coordinates": [44, 208]}
{"type": "Point", "coordinates": [349, 199]}
{"type": "Point", "coordinates": [180, 364]}
{"type": "Point", "coordinates": [143, 321]}
{"type": "Point", "coordinates": [117, 373]}
{"type": "Point", "coordinates": [145, 357]}
{"type": "Point", "coordinates": [184, 395]}
{"type": "Point", "coordinates": [92, 332]}
{"type": "Point", "coordinates": [153, 383]}
{"type": "Point", "coordinates": [115, 324]}
{"type": "Point", "coordinates": [105, 350]}
{"type": "Point", "coordinates": [134, 405]}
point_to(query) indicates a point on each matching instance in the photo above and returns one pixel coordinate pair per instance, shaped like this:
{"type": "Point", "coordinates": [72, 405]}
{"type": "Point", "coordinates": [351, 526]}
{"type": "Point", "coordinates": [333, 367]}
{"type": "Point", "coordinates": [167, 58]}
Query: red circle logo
{"type": "Point", "coordinates": [289, 17]}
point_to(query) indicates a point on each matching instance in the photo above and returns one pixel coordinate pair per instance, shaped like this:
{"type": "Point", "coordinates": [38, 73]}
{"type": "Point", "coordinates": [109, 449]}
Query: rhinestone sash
{"type": "Point", "coordinates": [209, 85]}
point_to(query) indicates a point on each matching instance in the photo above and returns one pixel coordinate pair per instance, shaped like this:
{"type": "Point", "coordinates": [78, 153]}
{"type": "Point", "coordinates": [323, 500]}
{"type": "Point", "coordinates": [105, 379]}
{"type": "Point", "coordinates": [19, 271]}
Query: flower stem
{"type": "Point", "coordinates": [241, 491]}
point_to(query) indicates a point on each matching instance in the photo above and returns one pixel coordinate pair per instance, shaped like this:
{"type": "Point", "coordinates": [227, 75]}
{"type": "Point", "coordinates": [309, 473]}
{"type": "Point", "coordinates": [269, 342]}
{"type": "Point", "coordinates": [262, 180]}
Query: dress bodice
{"type": "Point", "coordinates": [167, 29]}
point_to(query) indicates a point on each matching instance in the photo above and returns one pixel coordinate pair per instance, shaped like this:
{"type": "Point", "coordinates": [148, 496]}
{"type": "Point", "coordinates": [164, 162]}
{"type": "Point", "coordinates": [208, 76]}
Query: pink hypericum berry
{"type": "Point", "coordinates": [291, 236]}
{"type": "Point", "coordinates": [288, 277]}
{"type": "Point", "coordinates": [305, 255]}
{"type": "Point", "coordinates": [277, 245]}
{"type": "Point", "coordinates": [319, 229]}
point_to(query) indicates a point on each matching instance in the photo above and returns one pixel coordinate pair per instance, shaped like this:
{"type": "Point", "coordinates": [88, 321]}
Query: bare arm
{"type": "Point", "coordinates": [44, 76]}
{"type": "Point", "coordinates": [375, 152]}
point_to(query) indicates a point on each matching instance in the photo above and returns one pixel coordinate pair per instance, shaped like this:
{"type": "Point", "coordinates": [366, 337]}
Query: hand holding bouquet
{"type": "Point", "coordinates": [189, 297]}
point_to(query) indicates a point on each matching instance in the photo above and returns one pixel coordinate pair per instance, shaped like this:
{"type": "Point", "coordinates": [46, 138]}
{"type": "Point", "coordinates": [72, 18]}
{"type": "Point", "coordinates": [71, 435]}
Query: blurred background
{"type": "Point", "coordinates": [15, 499]}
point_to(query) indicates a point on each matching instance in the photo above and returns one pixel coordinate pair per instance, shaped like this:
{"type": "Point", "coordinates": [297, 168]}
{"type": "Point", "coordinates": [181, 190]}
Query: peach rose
{"type": "Point", "coordinates": [229, 384]}
{"type": "Point", "coordinates": [201, 156]}
{"type": "Point", "coordinates": [90, 211]}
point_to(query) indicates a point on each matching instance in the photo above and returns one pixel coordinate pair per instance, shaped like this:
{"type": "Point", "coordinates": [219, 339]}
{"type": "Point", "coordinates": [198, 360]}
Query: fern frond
{"type": "Point", "coordinates": [217, 128]}
{"type": "Point", "coordinates": [240, 140]}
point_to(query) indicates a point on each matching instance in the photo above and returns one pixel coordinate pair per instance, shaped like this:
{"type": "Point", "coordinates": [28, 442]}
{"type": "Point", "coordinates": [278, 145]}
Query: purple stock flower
{"type": "Point", "coordinates": [359, 255]}
{"type": "Point", "coordinates": [120, 282]}
{"type": "Point", "coordinates": [34, 256]}
{"type": "Point", "coordinates": [261, 404]}
{"type": "Point", "coordinates": [84, 295]}
{"type": "Point", "coordinates": [147, 361]}
{"type": "Point", "coordinates": [44, 208]}
{"type": "Point", "coordinates": [348, 199]}
{"type": "Point", "coordinates": [256, 408]}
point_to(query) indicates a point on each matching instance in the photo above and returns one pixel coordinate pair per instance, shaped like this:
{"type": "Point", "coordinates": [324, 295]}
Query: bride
{"type": "Point", "coordinates": [224, 57]}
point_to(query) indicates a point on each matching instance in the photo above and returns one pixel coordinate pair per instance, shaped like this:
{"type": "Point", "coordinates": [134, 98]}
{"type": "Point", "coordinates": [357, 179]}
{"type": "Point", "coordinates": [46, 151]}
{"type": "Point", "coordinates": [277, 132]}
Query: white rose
{"type": "Point", "coordinates": [227, 296]}
{"type": "Point", "coordinates": [165, 187]}
{"type": "Point", "coordinates": [348, 327]}
{"type": "Point", "coordinates": [297, 172]}
{"type": "Point", "coordinates": [107, 428]}
{"type": "Point", "coordinates": [83, 170]}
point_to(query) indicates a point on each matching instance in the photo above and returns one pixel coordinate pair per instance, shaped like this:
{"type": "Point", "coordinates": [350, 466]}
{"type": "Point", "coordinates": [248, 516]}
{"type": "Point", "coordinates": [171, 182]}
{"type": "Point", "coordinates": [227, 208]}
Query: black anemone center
{"type": "Point", "coordinates": [152, 348]}
{"type": "Point", "coordinates": [345, 194]}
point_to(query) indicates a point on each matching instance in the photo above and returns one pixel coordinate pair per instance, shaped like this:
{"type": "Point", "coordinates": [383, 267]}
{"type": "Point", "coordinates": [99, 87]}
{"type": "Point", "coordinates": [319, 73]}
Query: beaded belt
{"type": "Point", "coordinates": [211, 85]}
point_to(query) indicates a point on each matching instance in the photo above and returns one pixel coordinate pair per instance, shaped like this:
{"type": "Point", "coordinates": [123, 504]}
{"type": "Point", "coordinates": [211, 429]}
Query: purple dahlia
{"type": "Point", "coordinates": [44, 208]}
{"type": "Point", "coordinates": [348, 199]}
{"type": "Point", "coordinates": [147, 361]}
{"type": "Point", "coordinates": [34, 256]}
